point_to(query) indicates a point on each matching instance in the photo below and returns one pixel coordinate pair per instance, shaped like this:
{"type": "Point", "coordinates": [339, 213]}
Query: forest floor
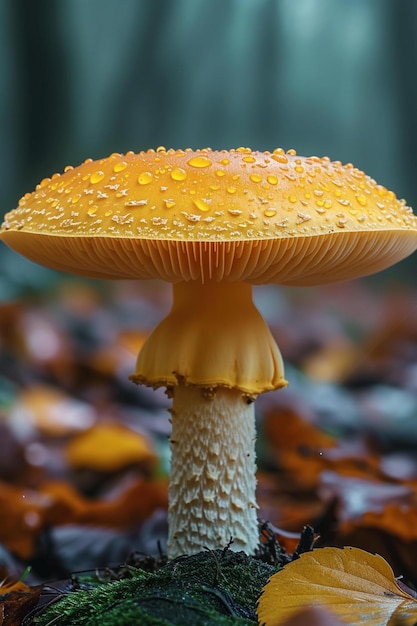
{"type": "Point", "coordinates": [337, 449]}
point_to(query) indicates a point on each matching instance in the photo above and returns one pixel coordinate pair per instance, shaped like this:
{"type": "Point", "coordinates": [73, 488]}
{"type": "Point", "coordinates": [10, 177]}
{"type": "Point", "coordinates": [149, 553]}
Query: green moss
{"type": "Point", "coordinates": [206, 589]}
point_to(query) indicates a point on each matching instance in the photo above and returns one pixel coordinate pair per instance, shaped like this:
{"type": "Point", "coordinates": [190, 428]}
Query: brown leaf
{"type": "Point", "coordinates": [131, 507]}
{"type": "Point", "coordinates": [16, 601]}
{"type": "Point", "coordinates": [298, 444]}
{"type": "Point", "coordinates": [355, 585]}
{"type": "Point", "coordinates": [21, 518]}
{"type": "Point", "coordinates": [309, 457]}
{"type": "Point", "coordinates": [285, 509]}
{"type": "Point", "coordinates": [398, 519]}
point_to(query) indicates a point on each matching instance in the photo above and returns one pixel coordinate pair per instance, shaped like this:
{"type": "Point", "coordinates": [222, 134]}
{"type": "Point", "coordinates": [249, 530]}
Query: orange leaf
{"type": "Point", "coordinates": [298, 445]}
{"type": "Point", "coordinates": [22, 514]}
{"type": "Point", "coordinates": [358, 587]}
{"type": "Point", "coordinates": [130, 507]}
{"type": "Point", "coordinates": [398, 519]}
{"type": "Point", "coordinates": [15, 585]}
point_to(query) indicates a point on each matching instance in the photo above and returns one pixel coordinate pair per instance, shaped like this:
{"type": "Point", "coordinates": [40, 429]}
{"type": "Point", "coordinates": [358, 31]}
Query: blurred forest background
{"type": "Point", "coordinates": [85, 78]}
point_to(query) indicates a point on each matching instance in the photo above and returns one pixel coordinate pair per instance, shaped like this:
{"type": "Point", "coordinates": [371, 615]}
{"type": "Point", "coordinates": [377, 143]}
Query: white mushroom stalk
{"type": "Point", "coordinates": [215, 354]}
{"type": "Point", "coordinates": [212, 486]}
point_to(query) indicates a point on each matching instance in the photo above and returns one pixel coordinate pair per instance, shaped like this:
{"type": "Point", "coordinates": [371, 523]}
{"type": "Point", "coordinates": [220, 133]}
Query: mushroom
{"type": "Point", "coordinates": [213, 223]}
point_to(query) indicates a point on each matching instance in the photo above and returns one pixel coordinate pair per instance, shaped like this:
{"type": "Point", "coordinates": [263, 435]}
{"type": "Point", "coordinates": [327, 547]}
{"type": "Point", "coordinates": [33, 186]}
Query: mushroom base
{"type": "Point", "coordinates": [212, 489]}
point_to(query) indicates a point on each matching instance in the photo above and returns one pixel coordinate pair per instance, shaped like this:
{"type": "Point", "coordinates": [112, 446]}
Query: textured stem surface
{"type": "Point", "coordinates": [212, 487]}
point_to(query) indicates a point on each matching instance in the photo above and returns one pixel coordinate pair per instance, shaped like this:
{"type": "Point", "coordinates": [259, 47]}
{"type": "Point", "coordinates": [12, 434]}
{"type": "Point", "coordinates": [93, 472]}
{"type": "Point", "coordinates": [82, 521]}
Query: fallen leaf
{"type": "Point", "coordinates": [356, 497]}
{"type": "Point", "coordinates": [355, 585]}
{"type": "Point", "coordinates": [304, 452]}
{"type": "Point", "coordinates": [16, 601]}
{"type": "Point", "coordinates": [285, 507]}
{"type": "Point", "coordinates": [50, 411]}
{"type": "Point", "coordinates": [25, 513]}
{"type": "Point", "coordinates": [401, 555]}
{"type": "Point", "coordinates": [334, 362]}
{"type": "Point", "coordinates": [21, 518]}
{"type": "Point", "coordinates": [298, 445]}
{"type": "Point", "coordinates": [109, 447]}
{"type": "Point", "coordinates": [130, 507]}
{"type": "Point", "coordinates": [396, 518]}
{"type": "Point", "coordinates": [9, 587]}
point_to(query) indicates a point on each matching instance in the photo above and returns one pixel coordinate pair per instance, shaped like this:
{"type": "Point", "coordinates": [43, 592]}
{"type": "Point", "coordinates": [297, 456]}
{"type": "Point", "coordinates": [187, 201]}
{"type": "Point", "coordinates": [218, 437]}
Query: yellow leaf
{"type": "Point", "coordinates": [359, 587]}
{"type": "Point", "coordinates": [109, 447]}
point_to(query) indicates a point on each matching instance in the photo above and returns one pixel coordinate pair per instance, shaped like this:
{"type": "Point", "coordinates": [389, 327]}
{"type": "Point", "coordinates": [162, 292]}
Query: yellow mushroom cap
{"type": "Point", "coordinates": [213, 215]}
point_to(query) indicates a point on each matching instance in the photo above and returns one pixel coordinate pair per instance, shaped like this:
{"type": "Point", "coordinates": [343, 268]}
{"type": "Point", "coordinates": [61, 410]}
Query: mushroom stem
{"type": "Point", "coordinates": [212, 488]}
{"type": "Point", "coordinates": [215, 354]}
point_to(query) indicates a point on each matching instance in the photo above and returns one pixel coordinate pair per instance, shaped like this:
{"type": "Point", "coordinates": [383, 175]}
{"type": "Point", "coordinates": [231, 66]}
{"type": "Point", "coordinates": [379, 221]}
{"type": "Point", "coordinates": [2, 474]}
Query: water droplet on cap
{"type": "Point", "coordinates": [199, 161]}
{"type": "Point", "coordinates": [145, 178]}
{"type": "Point", "coordinates": [200, 204]}
{"type": "Point", "coordinates": [255, 178]}
{"type": "Point", "coordinates": [178, 174]}
{"type": "Point", "coordinates": [96, 177]}
{"type": "Point", "coordinates": [119, 167]}
{"type": "Point", "coordinates": [280, 158]}
{"type": "Point", "coordinates": [272, 180]}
